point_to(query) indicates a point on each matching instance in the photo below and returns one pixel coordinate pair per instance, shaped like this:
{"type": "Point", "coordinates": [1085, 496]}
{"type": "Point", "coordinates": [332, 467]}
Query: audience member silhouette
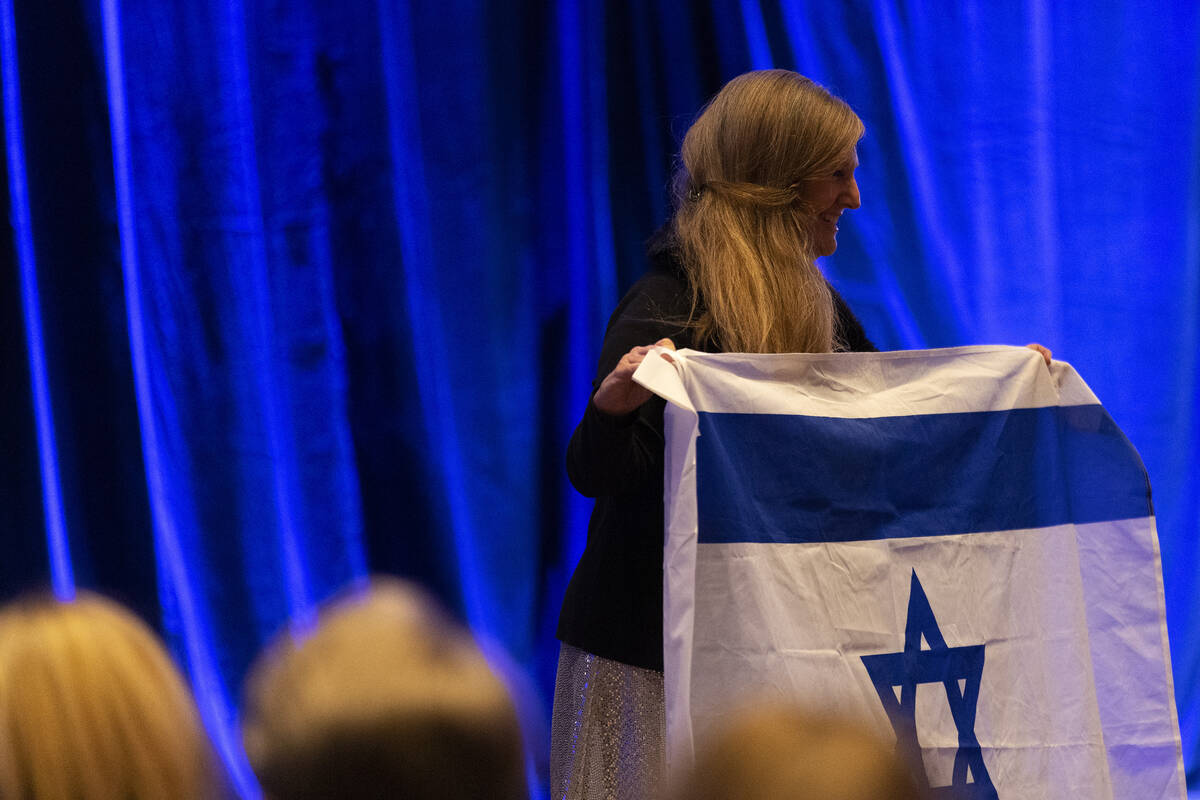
{"type": "Point", "coordinates": [769, 752]}
{"type": "Point", "coordinates": [387, 698]}
{"type": "Point", "coordinates": [93, 708]}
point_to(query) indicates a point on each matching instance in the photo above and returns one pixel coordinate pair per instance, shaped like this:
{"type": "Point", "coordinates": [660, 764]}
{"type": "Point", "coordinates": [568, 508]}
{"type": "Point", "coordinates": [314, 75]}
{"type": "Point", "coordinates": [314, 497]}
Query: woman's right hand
{"type": "Point", "coordinates": [618, 395]}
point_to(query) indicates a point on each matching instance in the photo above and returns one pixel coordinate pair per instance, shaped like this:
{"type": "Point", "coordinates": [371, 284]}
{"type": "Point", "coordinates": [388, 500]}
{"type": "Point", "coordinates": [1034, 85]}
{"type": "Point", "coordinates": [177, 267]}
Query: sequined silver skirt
{"type": "Point", "coordinates": [607, 731]}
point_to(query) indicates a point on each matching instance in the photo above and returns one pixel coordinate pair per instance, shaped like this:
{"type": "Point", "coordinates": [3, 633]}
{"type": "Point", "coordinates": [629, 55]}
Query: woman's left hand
{"type": "Point", "coordinates": [1045, 351]}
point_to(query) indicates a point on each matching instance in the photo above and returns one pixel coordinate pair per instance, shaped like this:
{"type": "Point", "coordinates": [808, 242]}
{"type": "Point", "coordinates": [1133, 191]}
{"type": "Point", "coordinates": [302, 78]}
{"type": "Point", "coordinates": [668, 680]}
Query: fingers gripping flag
{"type": "Point", "coordinates": [955, 545]}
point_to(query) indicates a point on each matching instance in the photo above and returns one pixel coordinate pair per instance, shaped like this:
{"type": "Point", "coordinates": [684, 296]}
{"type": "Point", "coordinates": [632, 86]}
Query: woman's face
{"type": "Point", "coordinates": [830, 197]}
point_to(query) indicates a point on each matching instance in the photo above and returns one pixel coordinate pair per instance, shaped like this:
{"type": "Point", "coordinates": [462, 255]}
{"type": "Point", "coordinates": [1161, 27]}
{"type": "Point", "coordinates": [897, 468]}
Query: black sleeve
{"type": "Point", "coordinates": [613, 455]}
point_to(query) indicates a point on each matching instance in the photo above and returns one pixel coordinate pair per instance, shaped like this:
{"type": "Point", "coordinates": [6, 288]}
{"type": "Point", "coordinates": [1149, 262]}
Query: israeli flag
{"type": "Point", "coordinates": [956, 545]}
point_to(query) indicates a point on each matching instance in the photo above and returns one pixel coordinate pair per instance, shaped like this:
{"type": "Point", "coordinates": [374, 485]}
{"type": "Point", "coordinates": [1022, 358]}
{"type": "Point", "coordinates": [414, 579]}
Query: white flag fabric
{"type": "Point", "coordinates": [956, 545]}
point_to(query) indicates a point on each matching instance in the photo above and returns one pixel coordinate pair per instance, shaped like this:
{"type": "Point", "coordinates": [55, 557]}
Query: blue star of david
{"type": "Point", "coordinates": [938, 664]}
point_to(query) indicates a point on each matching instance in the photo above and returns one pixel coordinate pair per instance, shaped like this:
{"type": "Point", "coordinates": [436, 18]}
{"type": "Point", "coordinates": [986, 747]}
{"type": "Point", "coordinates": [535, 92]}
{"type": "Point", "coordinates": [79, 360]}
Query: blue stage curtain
{"type": "Point", "coordinates": [299, 291]}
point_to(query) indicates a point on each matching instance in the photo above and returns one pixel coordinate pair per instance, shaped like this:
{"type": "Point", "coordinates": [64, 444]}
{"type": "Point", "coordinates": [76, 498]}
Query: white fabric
{"type": "Point", "coordinates": [1074, 698]}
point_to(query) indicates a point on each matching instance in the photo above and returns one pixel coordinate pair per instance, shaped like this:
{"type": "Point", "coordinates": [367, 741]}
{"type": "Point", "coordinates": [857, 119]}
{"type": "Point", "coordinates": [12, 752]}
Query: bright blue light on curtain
{"type": "Point", "coordinates": [591, 268]}
{"type": "Point", "coordinates": [986, 235]}
{"type": "Point", "coordinates": [429, 349]}
{"type": "Point", "coordinates": [914, 146]}
{"type": "Point", "coordinates": [283, 457]}
{"type": "Point", "coordinates": [1187, 463]}
{"type": "Point", "coordinates": [1043, 186]}
{"type": "Point", "coordinates": [799, 34]}
{"type": "Point", "coordinates": [756, 35]}
{"type": "Point", "coordinates": [61, 574]}
{"type": "Point", "coordinates": [173, 567]}
{"type": "Point", "coordinates": [579, 272]}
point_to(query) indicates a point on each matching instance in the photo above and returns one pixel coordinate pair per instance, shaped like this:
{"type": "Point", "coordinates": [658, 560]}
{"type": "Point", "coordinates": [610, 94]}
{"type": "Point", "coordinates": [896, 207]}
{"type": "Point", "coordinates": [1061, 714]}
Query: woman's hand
{"type": "Point", "coordinates": [618, 395]}
{"type": "Point", "coordinates": [1045, 351]}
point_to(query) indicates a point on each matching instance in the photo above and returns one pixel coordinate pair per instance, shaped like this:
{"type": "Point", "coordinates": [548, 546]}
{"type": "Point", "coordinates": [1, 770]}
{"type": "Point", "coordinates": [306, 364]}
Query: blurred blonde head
{"type": "Point", "coordinates": [780, 751]}
{"type": "Point", "coordinates": [387, 698]}
{"type": "Point", "coordinates": [743, 227]}
{"type": "Point", "coordinates": [91, 706]}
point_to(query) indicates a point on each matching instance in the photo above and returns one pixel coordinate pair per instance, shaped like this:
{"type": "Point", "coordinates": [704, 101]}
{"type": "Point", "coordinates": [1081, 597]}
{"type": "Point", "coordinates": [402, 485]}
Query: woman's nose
{"type": "Point", "coordinates": [850, 196]}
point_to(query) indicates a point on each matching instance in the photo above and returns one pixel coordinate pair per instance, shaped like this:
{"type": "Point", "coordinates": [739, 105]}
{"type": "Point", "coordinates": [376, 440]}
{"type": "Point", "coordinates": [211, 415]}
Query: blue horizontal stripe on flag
{"type": "Point", "coordinates": [793, 478]}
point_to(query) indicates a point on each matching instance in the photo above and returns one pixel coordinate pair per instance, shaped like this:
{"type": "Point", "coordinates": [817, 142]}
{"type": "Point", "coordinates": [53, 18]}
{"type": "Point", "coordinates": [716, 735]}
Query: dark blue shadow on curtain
{"type": "Point", "coordinates": [85, 352]}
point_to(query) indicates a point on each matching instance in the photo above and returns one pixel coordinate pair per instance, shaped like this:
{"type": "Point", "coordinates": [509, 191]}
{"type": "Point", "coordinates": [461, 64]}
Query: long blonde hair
{"type": "Point", "coordinates": [92, 708]}
{"type": "Point", "coordinates": [743, 231]}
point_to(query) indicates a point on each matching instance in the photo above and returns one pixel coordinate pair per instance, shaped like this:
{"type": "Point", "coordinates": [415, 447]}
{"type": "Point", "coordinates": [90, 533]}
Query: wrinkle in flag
{"type": "Point", "coordinates": [956, 546]}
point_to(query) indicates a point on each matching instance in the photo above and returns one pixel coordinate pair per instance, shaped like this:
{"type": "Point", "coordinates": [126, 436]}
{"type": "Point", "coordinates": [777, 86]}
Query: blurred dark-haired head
{"type": "Point", "coordinates": [387, 698]}
{"type": "Point", "coordinates": [776, 751]}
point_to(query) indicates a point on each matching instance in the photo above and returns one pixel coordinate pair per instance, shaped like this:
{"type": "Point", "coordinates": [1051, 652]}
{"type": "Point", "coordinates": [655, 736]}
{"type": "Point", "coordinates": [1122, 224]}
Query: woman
{"type": "Point", "coordinates": [766, 172]}
{"type": "Point", "coordinates": [92, 707]}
